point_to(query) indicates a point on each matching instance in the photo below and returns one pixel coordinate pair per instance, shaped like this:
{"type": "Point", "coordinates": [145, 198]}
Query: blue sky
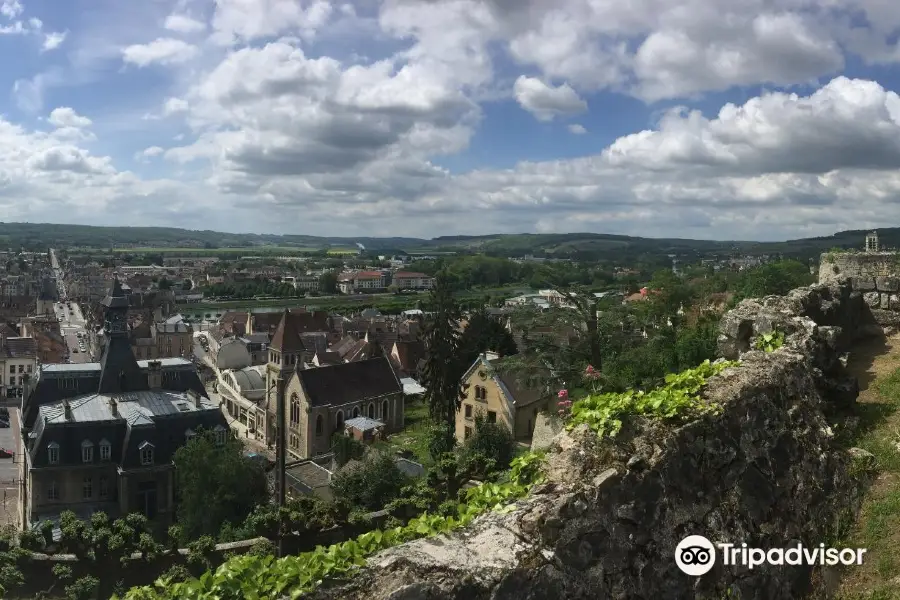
{"type": "Point", "coordinates": [765, 119]}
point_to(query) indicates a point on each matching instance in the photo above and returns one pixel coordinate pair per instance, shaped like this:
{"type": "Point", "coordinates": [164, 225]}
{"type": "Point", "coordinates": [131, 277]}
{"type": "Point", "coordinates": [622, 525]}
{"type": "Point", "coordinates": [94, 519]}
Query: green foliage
{"type": "Point", "coordinates": [346, 448]}
{"type": "Point", "coordinates": [370, 484]}
{"type": "Point", "coordinates": [776, 278]}
{"type": "Point", "coordinates": [769, 342]}
{"type": "Point", "coordinates": [490, 448]}
{"type": "Point", "coordinates": [443, 367]}
{"type": "Point", "coordinates": [254, 577]}
{"type": "Point", "coordinates": [215, 483]}
{"type": "Point", "coordinates": [677, 398]}
{"type": "Point", "coordinates": [84, 588]}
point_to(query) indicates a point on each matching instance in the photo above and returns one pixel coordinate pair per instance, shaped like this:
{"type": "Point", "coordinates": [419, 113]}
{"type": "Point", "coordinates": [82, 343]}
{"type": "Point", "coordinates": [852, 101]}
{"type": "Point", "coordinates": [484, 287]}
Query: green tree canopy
{"type": "Point", "coordinates": [369, 484]}
{"type": "Point", "coordinates": [216, 483]}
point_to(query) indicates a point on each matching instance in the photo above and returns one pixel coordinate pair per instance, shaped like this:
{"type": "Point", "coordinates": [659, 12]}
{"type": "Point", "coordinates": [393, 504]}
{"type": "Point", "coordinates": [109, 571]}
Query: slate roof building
{"type": "Point", "coordinates": [318, 401]}
{"type": "Point", "coordinates": [101, 436]}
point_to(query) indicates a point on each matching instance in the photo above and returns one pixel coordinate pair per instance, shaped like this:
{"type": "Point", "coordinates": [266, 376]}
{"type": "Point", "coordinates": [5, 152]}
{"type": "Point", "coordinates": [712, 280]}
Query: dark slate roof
{"type": "Point", "coordinates": [58, 381]}
{"type": "Point", "coordinates": [160, 418]}
{"type": "Point", "coordinates": [116, 297]}
{"type": "Point", "coordinates": [19, 347]}
{"type": "Point", "coordinates": [315, 342]}
{"type": "Point", "coordinates": [349, 382]}
{"type": "Point", "coordinates": [287, 335]}
{"type": "Point", "coordinates": [409, 354]}
{"type": "Point", "coordinates": [119, 371]}
{"type": "Point", "coordinates": [329, 357]}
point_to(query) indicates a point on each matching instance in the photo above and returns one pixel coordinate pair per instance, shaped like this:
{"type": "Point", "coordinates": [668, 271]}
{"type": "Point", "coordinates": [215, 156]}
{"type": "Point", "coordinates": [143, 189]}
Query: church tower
{"type": "Point", "coordinates": [119, 371]}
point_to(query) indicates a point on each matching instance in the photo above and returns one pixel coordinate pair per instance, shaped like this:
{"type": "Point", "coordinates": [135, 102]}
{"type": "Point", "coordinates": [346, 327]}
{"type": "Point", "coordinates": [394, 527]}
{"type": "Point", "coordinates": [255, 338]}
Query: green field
{"type": "Point", "coordinates": [212, 251]}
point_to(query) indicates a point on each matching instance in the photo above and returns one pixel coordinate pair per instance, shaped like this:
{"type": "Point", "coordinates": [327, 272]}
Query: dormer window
{"type": "Point", "coordinates": [220, 435]}
{"type": "Point", "coordinates": [105, 450]}
{"type": "Point", "coordinates": [87, 451]}
{"type": "Point", "coordinates": [53, 453]}
{"type": "Point", "coordinates": [146, 449]}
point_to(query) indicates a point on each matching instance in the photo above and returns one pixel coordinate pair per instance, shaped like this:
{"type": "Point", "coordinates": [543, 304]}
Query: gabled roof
{"type": "Point", "coordinates": [116, 297]}
{"type": "Point", "coordinates": [287, 334]}
{"type": "Point", "coordinates": [347, 383]}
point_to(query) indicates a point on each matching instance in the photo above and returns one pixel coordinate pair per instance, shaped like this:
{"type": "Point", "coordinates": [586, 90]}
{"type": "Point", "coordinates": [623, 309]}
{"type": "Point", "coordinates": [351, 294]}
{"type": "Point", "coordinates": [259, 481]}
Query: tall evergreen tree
{"type": "Point", "coordinates": [443, 367]}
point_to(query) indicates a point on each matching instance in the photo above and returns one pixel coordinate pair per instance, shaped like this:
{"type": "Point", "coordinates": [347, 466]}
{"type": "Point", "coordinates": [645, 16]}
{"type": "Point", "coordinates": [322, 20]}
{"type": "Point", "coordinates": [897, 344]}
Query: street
{"type": "Point", "coordinates": [71, 323]}
{"type": "Point", "coordinates": [9, 471]}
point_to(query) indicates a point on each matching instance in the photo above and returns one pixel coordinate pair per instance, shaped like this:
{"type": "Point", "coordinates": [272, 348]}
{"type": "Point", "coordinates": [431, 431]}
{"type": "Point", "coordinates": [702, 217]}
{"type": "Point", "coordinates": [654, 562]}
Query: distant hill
{"type": "Point", "coordinates": [36, 236]}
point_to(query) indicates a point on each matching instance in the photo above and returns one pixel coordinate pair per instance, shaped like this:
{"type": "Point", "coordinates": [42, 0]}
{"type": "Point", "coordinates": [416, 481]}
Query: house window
{"type": "Point", "coordinates": [355, 411]}
{"type": "Point", "coordinates": [468, 432]}
{"type": "Point", "coordinates": [146, 449]}
{"type": "Point", "coordinates": [87, 489]}
{"type": "Point", "coordinates": [468, 411]}
{"type": "Point", "coordinates": [52, 491]}
{"type": "Point", "coordinates": [371, 411]}
{"type": "Point", "coordinates": [220, 435]}
{"type": "Point", "coordinates": [53, 453]}
{"type": "Point", "coordinates": [87, 451]}
{"type": "Point", "coordinates": [319, 425]}
{"type": "Point", "coordinates": [339, 420]}
{"type": "Point", "coordinates": [105, 450]}
{"type": "Point", "coordinates": [104, 488]}
{"type": "Point", "coordinates": [385, 410]}
{"type": "Point", "coordinates": [12, 369]}
{"type": "Point", "coordinates": [492, 416]}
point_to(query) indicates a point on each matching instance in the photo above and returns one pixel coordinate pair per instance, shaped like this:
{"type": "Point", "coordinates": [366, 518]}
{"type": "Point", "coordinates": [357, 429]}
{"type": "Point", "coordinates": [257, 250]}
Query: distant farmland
{"type": "Point", "coordinates": [211, 251]}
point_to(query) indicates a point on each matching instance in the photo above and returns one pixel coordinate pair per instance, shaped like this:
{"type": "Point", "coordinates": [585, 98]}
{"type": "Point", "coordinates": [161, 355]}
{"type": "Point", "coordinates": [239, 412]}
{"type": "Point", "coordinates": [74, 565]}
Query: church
{"type": "Point", "coordinates": [321, 401]}
{"type": "Point", "coordinates": [101, 436]}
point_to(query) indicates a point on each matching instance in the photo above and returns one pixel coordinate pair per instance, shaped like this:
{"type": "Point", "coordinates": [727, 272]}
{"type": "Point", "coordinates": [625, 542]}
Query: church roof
{"type": "Point", "coordinates": [287, 334]}
{"type": "Point", "coordinates": [116, 297]}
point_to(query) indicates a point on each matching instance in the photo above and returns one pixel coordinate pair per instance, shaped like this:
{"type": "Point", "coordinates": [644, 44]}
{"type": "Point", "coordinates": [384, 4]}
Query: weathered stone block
{"type": "Point", "coordinates": [894, 302]}
{"type": "Point", "coordinates": [864, 284]}
{"type": "Point", "coordinates": [873, 299]}
{"type": "Point", "coordinates": [887, 284]}
{"type": "Point", "coordinates": [885, 301]}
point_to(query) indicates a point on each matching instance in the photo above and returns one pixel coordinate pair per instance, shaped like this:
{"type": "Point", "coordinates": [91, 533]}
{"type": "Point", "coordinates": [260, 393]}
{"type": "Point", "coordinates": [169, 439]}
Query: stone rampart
{"type": "Point", "coordinates": [765, 470]}
{"type": "Point", "coordinates": [875, 274]}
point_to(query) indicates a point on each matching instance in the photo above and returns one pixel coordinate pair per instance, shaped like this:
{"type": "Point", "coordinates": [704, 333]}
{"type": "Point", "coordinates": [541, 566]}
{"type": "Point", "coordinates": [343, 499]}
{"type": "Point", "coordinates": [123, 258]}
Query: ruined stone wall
{"type": "Point", "coordinates": [766, 470]}
{"type": "Point", "coordinates": [875, 274]}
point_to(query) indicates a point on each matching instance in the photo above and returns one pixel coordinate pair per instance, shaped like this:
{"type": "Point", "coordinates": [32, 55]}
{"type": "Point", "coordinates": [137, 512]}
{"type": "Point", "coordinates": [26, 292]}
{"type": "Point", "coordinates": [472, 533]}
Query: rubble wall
{"type": "Point", "coordinates": [875, 274]}
{"type": "Point", "coordinates": [766, 470]}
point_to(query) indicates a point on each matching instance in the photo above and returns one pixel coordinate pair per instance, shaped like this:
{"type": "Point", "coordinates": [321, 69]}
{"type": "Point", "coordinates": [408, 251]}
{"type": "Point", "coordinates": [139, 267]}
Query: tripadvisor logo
{"type": "Point", "coordinates": [695, 555]}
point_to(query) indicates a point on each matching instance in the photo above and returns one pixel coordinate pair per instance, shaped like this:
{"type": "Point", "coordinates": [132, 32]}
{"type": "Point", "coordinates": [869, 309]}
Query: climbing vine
{"type": "Point", "coordinates": [256, 577]}
{"type": "Point", "coordinates": [678, 397]}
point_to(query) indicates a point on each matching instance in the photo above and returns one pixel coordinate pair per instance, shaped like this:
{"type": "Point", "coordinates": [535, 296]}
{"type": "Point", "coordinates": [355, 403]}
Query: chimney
{"type": "Point", "coordinates": [154, 374]}
{"type": "Point", "coordinates": [113, 407]}
{"type": "Point", "coordinates": [67, 410]}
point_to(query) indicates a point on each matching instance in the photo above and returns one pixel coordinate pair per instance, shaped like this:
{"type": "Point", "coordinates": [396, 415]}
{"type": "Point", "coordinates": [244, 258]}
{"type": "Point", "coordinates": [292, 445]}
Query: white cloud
{"type": "Point", "coordinates": [67, 117]}
{"type": "Point", "coordinates": [184, 24]}
{"type": "Point", "coordinates": [247, 20]}
{"type": "Point", "coordinates": [54, 40]}
{"type": "Point", "coordinates": [546, 102]}
{"type": "Point", "coordinates": [163, 51]}
{"type": "Point", "coordinates": [276, 131]}
{"type": "Point", "coordinates": [11, 8]}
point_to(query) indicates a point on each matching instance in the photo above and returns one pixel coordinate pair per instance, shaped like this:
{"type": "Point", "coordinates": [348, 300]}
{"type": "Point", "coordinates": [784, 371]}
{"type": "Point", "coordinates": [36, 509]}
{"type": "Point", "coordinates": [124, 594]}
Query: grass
{"type": "Point", "coordinates": [414, 435]}
{"type": "Point", "coordinates": [877, 527]}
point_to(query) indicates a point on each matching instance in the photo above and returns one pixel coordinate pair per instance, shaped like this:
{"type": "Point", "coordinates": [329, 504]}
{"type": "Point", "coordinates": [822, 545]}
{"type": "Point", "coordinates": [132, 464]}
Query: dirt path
{"type": "Point", "coordinates": [876, 364]}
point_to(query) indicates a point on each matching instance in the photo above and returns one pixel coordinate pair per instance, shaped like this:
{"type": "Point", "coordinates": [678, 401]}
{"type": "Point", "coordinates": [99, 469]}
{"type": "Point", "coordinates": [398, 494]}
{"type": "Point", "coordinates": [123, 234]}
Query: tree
{"type": "Point", "coordinates": [328, 282]}
{"type": "Point", "coordinates": [346, 448]}
{"type": "Point", "coordinates": [216, 483]}
{"type": "Point", "coordinates": [187, 284]}
{"type": "Point", "coordinates": [370, 484]}
{"type": "Point", "coordinates": [490, 448]}
{"type": "Point", "coordinates": [164, 284]}
{"type": "Point", "coordinates": [482, 334]}
{"type": "Point", "coordinates": [443, 365]}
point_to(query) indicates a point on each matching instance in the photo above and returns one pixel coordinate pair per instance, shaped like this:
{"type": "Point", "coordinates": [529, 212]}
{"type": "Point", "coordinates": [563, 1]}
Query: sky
{"type": "Point", "coordinates": [709, 119]}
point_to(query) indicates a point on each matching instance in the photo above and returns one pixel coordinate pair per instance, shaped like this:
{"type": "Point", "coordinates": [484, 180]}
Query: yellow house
{"type": "Point", "coordinates": [500, 397]}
